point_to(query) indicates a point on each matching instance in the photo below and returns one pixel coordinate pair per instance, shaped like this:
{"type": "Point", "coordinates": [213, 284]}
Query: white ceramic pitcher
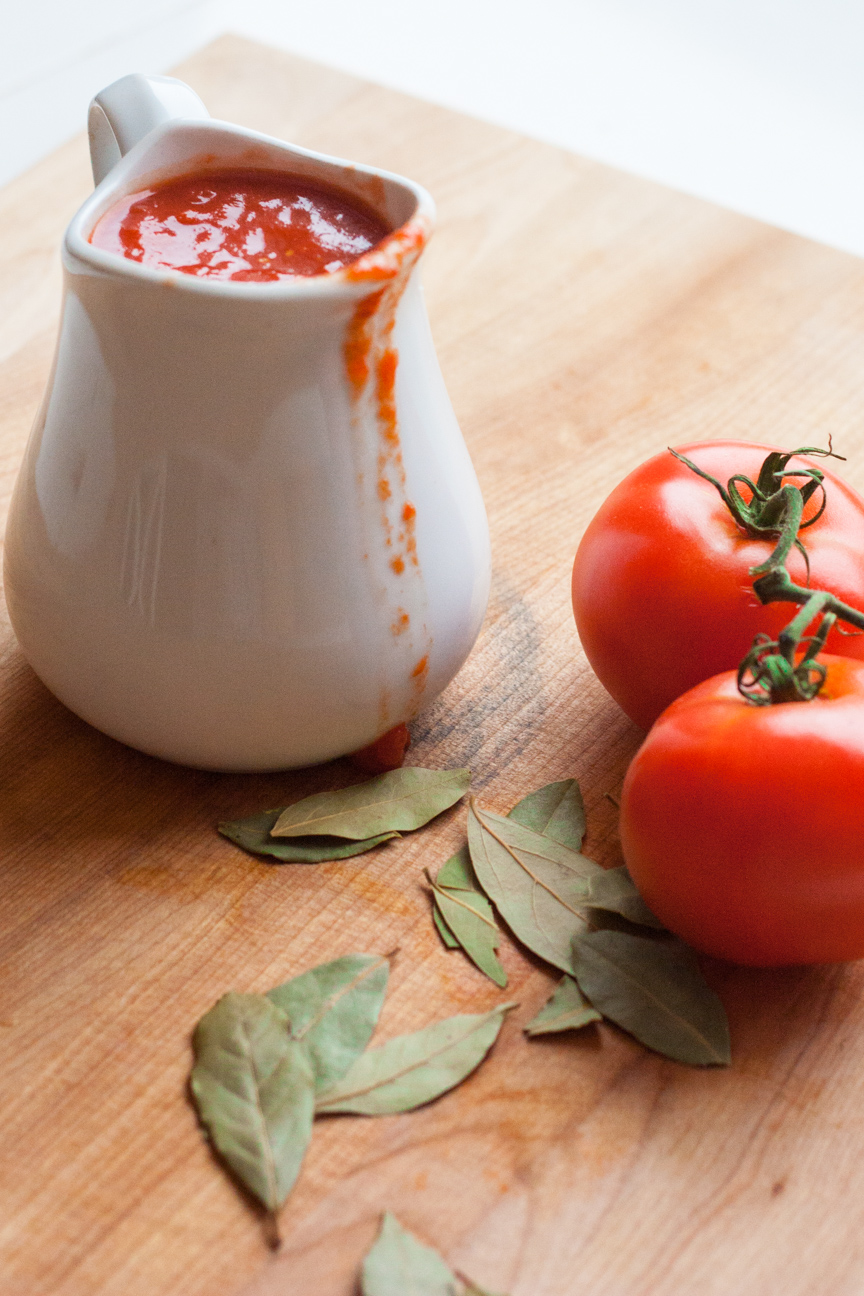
{"type": "Point", "coordinates": [225, 547]}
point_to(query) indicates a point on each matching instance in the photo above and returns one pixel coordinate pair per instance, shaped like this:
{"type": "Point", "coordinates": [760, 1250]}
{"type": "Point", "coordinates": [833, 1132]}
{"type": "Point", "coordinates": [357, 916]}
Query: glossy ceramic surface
{"type": "Point", "coordinates": [229, 546]}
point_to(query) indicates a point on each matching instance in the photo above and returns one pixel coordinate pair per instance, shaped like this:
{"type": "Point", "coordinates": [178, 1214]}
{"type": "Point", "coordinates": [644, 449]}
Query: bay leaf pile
{"type": "Point", "coordinates": [349, 821]}
{"type": "Point", "coordinates": [590, 923]}
{"type": "Point", "coordinates": [266, 1065]}
{"type": "Point", "coordinates": [399, 1264]}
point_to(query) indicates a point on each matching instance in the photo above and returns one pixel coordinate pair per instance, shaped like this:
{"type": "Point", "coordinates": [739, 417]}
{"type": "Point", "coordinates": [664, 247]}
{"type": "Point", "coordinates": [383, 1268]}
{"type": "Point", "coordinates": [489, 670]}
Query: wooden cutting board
{"type": "Point", "coordinates": [585, 320]}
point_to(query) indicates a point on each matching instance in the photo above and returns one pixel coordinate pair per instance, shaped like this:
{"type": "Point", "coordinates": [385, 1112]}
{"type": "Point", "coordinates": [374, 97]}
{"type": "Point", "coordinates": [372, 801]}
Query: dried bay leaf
{"type": "Point", "coordinates": [567, 1009]}
{"type": "Point", "coordinates": [400, 1265]}
{"type": "Point", "coordinates": [457, 873]}
{"type": "Point", "coordinates": [609, 920]}
{"type": "Point", "coordinates": [254, 1090]}
{"type": "Point", "coordinates": [538, 885]}
{"type": "Point", "coordinates": [253, 834]}
{"type": "Point", "coordinates": [443, 930]}
{"type": "Point", "coordinates": [456, 880]}
{"type": "Point", "coordinates": [615, 891]}
{"type": "Point", "coordinates": [468, 916]}
{"type": "Point", "coordinates": [334, 1009]}
{"type": "Point", "coordinates": [411, 1070]}
{"type": "Point", "coordinates": [401, 800]}
{"type": "Point", "coordinates": [555, 811]}
{"type": "Point", "coordinates": [653, 988]}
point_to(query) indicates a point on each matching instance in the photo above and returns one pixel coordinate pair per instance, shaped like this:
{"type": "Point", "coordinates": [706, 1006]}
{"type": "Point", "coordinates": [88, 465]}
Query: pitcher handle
{"type": "Point", "coordinates": [128, 109]}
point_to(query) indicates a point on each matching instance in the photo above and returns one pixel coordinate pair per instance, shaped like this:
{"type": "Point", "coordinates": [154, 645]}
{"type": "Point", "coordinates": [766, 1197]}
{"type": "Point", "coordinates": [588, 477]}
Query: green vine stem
{"type": "Point", "coordinates": [775, 507]}
{"type": "Point", "coordinates": [769, 673]}
{"type": "Point", "coordinates": [777, 587]}
{"type": "Point", "coordinates": [767, 676]}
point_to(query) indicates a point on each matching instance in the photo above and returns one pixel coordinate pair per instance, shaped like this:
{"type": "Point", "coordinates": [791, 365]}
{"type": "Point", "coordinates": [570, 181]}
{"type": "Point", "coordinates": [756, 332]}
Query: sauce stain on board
{"type": "Point", "coordinates": [186, 887]}
{"type": "Point", "coordinates": [383, 897]}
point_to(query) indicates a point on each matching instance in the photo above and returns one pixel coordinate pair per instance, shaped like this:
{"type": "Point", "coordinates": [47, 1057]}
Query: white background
{"type": "Point", "coordinates": [757, 104]}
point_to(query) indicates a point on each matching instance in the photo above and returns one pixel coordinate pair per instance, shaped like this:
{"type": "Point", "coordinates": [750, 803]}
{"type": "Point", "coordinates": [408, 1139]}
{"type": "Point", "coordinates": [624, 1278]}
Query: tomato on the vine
{"type": "Point", "coordinates": [662, 591]}
{"type": "Point", "coordinates": [743, 825]}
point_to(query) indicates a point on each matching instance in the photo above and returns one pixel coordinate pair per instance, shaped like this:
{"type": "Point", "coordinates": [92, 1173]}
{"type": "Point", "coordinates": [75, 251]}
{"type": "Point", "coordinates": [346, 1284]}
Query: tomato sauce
{"type": "Point", "coordinates": [244, 226]}
{"type": "Point", "coordinates": [387, 753]}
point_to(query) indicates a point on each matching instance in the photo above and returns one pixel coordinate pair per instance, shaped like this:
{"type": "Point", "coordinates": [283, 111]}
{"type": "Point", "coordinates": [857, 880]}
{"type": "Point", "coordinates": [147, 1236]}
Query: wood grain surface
{"type": "Point", "coordinates": [584, 319]}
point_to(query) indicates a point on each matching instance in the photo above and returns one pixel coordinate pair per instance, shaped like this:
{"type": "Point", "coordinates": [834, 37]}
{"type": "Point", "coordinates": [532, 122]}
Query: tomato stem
{"type": "Point", "coordinates": [776, 586]}
{"type": "Point", "coordinates": [775, 506]}
{"type": "Point", "coordinates": [770, 673]}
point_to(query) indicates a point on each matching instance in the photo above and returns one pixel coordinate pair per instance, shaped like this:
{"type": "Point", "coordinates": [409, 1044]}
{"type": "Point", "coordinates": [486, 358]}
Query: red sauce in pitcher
{"type": "Point", "coordinates": [246, 226]}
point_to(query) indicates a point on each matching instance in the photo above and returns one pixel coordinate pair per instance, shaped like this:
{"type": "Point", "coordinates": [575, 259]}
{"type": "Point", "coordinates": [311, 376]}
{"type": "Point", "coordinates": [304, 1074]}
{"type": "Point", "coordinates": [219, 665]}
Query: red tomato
{"type": "Point", "coordinates": [743, 825]}
{"type": "Point", "coordinates": [662, 593]}
{"type": "Point", "coordinates": [386, 753]}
